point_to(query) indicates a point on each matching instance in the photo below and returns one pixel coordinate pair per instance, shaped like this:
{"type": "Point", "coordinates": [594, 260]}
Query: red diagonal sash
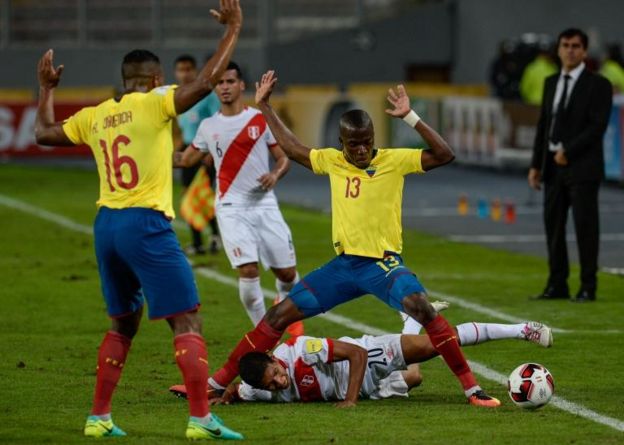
{"type": "Point", "coordinates": [307, 382]}
{"type": "Point", "coordinates": [238, 151]}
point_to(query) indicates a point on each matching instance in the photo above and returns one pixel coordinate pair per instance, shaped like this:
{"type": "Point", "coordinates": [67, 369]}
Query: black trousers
{"type": "Point", "coordinates": [561, 193]}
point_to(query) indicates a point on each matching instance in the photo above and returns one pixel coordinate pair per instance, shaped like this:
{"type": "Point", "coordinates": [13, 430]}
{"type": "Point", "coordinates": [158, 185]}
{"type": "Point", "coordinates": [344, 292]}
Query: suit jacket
{"type": "Point", "coordinates": [584, 123]}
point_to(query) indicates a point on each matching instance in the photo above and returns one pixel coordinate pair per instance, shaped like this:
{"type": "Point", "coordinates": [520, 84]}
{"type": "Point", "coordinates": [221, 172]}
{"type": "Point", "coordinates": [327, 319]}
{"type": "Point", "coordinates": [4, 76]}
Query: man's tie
{"type": "Point", "coordinates": [557, 128]}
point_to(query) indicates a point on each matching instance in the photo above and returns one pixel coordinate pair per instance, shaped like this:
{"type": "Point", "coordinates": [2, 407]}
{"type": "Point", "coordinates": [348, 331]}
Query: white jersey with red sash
{"type": "Point", "coordinates": [239, 146]}
{"type": "Point", "coordinates": [315, 376]}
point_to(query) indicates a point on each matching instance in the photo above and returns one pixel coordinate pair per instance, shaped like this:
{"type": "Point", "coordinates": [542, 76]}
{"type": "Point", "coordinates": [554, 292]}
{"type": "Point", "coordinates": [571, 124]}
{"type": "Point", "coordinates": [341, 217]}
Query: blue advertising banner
{"type": "Point", "coordinates": [612, 144]}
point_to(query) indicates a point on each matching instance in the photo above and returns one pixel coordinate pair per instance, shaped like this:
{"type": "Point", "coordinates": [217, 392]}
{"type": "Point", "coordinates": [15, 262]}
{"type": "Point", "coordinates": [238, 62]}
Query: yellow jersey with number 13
{"type": "Point", "coordinates": [366, 203]}
{"type": "Point", "coordinates": [132, 145]}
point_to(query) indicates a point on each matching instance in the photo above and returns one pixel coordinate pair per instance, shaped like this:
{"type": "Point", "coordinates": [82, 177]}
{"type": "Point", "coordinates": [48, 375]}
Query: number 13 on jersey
{"type": "Point", "coordinates": [353, 187]}
{"type": "Point", "coordinates": [388, 263]}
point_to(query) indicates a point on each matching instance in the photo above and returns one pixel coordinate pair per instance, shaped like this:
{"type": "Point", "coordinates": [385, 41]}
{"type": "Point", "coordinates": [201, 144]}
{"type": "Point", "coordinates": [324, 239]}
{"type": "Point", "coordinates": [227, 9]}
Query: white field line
{"type": "Point", "coordinates": [44, 214]}
{"type": "Point", "coordinates": [270, 295]}
{"type": "Point", "coordinates": [614, 270]}
{"type": "Point", "coordinates": [557, 401]}
{"type": "Point", "coordinates": [496, 239]}
{"type": "Point", "coordinates": [477, 367]}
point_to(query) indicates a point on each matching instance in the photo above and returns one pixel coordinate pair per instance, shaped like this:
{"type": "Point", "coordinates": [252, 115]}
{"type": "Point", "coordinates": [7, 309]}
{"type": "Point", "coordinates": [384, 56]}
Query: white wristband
{"type": "Point", "coordinates": [411, 118]}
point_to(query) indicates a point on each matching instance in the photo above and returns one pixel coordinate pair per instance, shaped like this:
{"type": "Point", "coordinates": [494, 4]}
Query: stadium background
{"type": "Point", "coordinates": [331, 55]}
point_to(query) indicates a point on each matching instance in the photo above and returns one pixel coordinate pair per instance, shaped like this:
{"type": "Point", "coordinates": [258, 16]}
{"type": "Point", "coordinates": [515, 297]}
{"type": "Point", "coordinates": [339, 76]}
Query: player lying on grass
{"type": "Point", "coordinates": [315, 369]}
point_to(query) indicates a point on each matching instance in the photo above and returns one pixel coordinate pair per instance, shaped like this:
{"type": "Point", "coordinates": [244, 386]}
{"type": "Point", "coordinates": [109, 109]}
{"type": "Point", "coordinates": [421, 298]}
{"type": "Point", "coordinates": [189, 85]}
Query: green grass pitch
{"type": "Point", "coordinates": [52, 319]}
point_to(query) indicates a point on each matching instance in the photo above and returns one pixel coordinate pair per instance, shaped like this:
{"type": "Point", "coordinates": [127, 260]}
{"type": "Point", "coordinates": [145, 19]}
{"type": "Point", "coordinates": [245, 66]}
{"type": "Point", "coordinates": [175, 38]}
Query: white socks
{"type": "Point", "coordinates": [283, 287]}
{"type": "Point", "coordinates": [475, 333]}
{"type": "Point", "coordinates": [252, 298]}
{"type": "Point", "coordinates": [215, 385]}
{"type": "Point", "coordinates": [205, 421]}
{"type": "Point", "coordinates": [471, 333]}
{"type": "Point", "coordinates": [410, 326]}
{"type": "Point", "coordinates": [251, 295]}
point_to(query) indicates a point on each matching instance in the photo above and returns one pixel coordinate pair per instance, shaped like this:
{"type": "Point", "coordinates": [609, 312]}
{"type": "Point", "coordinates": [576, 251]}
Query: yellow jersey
{"type": "Point", "coordinates": [132, 145]}
{"type": "Point", "coordinates": [366, 203]}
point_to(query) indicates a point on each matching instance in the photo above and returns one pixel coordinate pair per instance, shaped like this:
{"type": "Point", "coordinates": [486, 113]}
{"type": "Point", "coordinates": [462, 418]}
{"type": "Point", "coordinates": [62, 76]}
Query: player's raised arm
{"type": "Point", "coordinates": [47, 131]}
{"type": "Point", "coordinates": [187, 158]}
{"type": "Point", "coordinates": [231, 16]}
{"type": "Point", "coordinates": [294, 149]}
{"type": "Point", "coordinates": [440, 153]}
{"type": "Point", "coordinates": [357, 357]}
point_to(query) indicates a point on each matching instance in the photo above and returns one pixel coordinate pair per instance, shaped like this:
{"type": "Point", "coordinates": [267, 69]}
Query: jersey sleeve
{"type": "Point", "coordinates": [78, 126]}
{"type": "Point", "coordinates": [162, 99]}
{"type": "Point", "coordinates": [408, 160]}
{"type": "Point", "coordinates": [320, 159]}
{"type": "Point", "coordinates": [314, 351]}
{"type": "Point", "coordinates": [200, 140]}
{"type": "Point", "coordinates": [250, 394]}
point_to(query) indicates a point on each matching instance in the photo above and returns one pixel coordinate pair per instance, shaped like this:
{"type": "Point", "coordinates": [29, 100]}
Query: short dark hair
{"type": "Point", "coordinates": [234, 66]}
{"type": "Point", "coordinates": [356, 119]}
{"type": "Point", "coordinates": [135, 57]}
{"type": "Point", "coordinates": [251, 367]}
{"type": "Point", "coordinates": [186, 58]}
{"type": "Point", "coordinates": [573, 32]}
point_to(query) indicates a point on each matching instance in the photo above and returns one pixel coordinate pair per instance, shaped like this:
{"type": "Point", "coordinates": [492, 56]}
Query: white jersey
{"type": "Point", "coordinates": [315, 377]}
{"type": "Point", "coordinates": [239, 146]}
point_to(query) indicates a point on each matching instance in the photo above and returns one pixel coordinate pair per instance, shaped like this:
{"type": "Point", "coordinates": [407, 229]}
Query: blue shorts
{"type": "Point", "coordinates": [347, 277]}
{"type": "Point", "coordinates": [139, 257]}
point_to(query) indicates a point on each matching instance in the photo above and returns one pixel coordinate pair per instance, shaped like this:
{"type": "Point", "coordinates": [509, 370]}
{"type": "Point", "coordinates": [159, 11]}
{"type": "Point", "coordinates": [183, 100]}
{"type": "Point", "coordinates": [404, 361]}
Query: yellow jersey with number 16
{"type": "Point", "coordinates": [132, 145]}
{"type": "Point", "coordinates": [366, 203]}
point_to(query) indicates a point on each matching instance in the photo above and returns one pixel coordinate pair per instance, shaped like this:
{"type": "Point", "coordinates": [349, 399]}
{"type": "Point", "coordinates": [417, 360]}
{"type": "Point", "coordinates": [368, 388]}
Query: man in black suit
{"type": "Point", "coordinates": [568, 159]}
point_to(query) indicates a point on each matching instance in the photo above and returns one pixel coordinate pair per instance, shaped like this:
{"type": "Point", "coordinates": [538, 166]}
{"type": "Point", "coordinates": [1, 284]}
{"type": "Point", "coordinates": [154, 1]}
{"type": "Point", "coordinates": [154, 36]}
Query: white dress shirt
{"type": "Point", "coordinates": [574, 75]}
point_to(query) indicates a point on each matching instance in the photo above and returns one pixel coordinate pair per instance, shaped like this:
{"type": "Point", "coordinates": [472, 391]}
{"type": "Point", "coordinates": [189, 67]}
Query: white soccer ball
{"type": "Point", "coordinates": [530, 385]}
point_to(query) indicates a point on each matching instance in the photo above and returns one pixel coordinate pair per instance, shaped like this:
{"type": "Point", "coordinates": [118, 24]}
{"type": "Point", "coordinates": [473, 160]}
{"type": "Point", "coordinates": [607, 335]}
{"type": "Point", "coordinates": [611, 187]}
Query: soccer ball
{"type": "Point", "coordinates": [530, 385]}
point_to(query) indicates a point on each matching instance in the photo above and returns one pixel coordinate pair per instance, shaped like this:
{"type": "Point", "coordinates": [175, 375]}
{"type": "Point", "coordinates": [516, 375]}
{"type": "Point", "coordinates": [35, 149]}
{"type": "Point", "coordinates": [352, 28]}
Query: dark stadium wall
{"type": "Point", "coordinates": [463, 34]}
{"type": "Point", "coordinates": [100, 67]}
{"type": "Point", "coordinates": [379, 51]}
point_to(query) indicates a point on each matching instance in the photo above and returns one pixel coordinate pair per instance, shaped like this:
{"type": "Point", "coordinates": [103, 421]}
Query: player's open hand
{"type": "Point", "coordinates": [218, 401]}
{"type": "Point", "coordinates": [267, 181]}
{"type": "Point", "coordinates": [264, 88]}
{"type": "Point", "coordinates": [400, 101]}
{"type": "Point", "coordinates": [49, 76]}
{"type": "Point", "coordinates": [229, 13]}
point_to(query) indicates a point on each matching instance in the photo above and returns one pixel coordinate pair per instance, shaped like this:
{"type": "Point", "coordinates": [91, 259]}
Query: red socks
{"type": "Point", "coordinates": [191, 356]}
{"type": "Point", "coordinates": [111, 359]}
{"type": "Point", "coordinates": [192, 359]}
{"type": "Point", "coordinates": [263, 338]}
{"type": "Point", "coordinates": [444, 340]}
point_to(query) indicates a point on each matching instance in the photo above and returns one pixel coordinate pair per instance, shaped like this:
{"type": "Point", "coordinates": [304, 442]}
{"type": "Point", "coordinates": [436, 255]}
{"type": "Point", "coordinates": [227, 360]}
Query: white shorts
{"type": "Point", "coordinates": [256, 235]}
{"type": "Point", "coordinates": [384, 357]}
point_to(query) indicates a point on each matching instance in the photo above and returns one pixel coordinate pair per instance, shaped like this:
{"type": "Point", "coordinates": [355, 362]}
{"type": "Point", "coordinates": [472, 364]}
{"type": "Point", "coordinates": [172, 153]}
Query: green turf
{"type": "Point", "coordinates": [52, 320]}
